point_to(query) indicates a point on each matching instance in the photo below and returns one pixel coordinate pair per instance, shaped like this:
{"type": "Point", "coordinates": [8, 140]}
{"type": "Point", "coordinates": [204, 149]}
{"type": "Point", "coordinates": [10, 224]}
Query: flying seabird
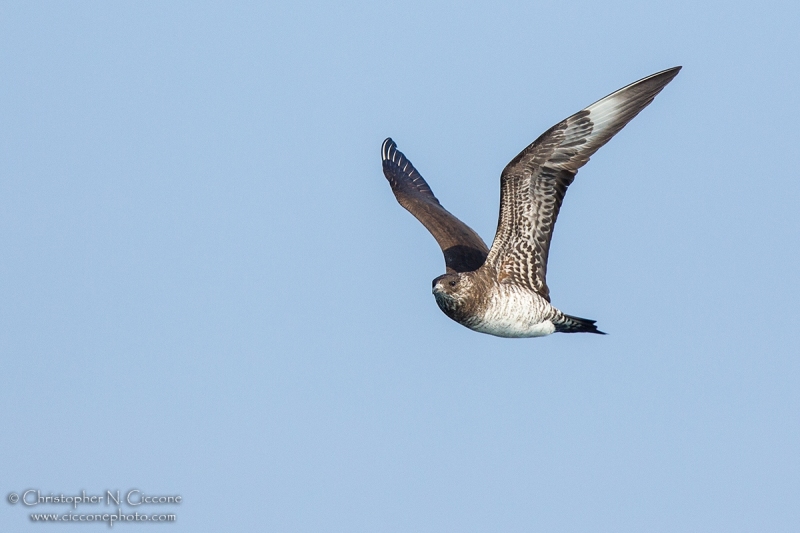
{"type": "Point", "coordinates": [502, 291]}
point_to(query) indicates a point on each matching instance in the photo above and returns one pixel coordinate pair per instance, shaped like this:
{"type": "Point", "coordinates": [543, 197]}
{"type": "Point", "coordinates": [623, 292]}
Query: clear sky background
{"type": "Point", "coordinates": [208, 289]}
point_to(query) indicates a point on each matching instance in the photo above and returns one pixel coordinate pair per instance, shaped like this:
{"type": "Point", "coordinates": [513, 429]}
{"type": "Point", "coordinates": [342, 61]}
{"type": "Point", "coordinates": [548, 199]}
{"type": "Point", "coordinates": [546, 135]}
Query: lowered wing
{"type": "Point", "coordinates": [463, 249]}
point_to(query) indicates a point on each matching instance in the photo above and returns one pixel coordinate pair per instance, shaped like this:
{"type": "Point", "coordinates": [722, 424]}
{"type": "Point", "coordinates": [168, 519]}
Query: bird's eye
{"type": "Point", "coordinates": [452, 283]}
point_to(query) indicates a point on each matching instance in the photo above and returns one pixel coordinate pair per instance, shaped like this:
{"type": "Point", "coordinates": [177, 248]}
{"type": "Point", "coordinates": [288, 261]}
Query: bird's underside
{"type": "Point", "coordinates": [502, 290]}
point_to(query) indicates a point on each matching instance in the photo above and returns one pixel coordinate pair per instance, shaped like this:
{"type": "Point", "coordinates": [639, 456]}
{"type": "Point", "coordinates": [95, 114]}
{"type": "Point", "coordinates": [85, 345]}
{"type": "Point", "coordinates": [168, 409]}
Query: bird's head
{"type": "Point", "coordinates": [451, 291]}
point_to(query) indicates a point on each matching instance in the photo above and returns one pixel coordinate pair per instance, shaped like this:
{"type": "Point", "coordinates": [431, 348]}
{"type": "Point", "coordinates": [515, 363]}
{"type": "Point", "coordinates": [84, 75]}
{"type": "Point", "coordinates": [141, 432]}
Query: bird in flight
{"type": "Point", "coordinates": [502, 290]}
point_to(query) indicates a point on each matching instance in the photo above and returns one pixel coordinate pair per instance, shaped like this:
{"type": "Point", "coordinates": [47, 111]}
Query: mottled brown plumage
{"type": "Point", "coordinates": [503, 290]}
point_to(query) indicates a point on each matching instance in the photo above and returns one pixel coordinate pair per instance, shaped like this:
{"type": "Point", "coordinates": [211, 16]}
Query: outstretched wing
{"type": "Point", "coordinates": [534, 183]}
{"type": "Point", "coordinates": [463, 249]}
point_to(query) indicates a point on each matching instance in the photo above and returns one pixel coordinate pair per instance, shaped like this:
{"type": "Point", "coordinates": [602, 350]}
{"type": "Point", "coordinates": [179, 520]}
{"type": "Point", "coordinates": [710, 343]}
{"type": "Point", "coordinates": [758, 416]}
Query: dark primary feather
{"type": "Point", "coordinates": [463, 249]}
{"type": "Point", "coordinates": [533, 185]}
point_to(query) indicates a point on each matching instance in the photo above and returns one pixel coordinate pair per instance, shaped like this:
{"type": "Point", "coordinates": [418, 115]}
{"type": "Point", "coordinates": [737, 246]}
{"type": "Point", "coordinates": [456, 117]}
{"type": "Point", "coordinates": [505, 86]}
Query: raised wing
{"type": "Point", "coordinates": [463, 249]}
{"type": "Point", "coordinates": [534, 183]}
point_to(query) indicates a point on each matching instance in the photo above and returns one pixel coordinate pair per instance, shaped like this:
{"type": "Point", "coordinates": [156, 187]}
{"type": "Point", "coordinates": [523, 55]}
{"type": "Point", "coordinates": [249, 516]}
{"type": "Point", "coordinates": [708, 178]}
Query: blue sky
{"type": "Point", "coordinates": [208, 289]}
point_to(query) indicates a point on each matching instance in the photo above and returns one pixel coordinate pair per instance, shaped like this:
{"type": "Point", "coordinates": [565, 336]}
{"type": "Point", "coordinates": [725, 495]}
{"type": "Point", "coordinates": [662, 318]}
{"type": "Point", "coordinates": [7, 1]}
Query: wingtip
{"type": "Point", "coordinates": [667, 73]}
{"type": "Point", "coordinates": [387, 148]}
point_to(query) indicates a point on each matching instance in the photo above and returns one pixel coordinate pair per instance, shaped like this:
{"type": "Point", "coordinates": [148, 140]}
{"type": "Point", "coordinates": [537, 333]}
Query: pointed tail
{"type": "Point", "coordinates": [574, 324]}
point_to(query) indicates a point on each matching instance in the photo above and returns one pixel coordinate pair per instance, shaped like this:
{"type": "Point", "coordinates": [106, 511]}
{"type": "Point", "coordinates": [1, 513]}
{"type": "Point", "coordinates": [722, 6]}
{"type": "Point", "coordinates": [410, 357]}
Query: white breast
{"type": "Point", "coordinates": [515, 312]}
